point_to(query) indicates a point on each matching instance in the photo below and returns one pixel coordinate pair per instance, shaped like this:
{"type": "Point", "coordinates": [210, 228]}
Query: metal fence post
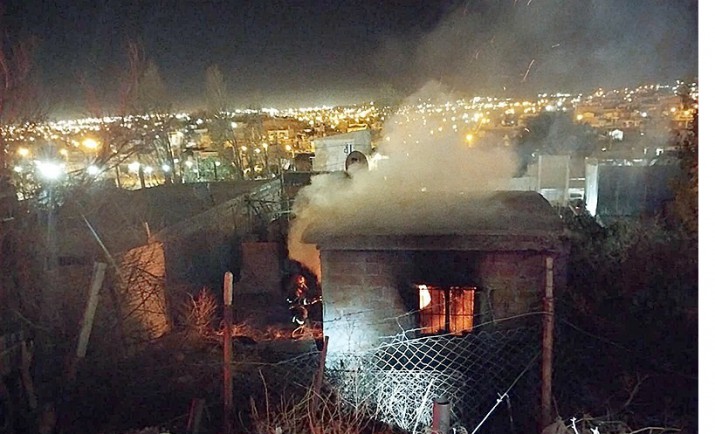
{"type": "Point", "coordinates": [440, 415]}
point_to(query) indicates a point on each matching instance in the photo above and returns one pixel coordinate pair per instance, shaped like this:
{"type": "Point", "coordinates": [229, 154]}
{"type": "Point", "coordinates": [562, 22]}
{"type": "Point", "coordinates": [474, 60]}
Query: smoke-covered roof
{"type": "Point", "coordinates": [502, 220]}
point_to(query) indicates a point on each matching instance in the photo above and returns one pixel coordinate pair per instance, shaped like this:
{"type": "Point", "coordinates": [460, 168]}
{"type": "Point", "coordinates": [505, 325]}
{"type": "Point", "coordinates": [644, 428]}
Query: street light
{"type": "Point", "coordinates": [90, 143]}
{"type": "Point", "coordinates": [470, 138]}
{"type": "Point", "coordinates": [50, 170]}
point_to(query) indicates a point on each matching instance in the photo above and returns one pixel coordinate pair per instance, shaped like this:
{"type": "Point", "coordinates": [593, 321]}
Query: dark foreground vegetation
{"type": "Point", "coordinates": [627, 337]}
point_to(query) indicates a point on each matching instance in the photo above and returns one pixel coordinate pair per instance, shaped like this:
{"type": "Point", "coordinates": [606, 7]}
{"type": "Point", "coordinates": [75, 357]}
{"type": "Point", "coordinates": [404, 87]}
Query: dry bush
{"type": "Point", "coordinates": [258, 334]}
{"type": "Point", "coordinates": [328, 414]}
{"type": "Point", "coordinates": [199, 313]}
{"type": "Point", "coordinates": [272, 332]}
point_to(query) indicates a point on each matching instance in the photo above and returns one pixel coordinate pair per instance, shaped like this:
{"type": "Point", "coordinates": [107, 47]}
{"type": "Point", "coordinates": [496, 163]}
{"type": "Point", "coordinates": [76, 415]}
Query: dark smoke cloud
{"type": "Point", "coordinates": [485, 46]}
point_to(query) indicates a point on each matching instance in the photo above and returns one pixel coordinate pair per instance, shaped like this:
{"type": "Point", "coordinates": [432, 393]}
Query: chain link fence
{"type": "Point", "coordinates": [290, 378]}
{"type": "Point", "coordinates": [398, 381]}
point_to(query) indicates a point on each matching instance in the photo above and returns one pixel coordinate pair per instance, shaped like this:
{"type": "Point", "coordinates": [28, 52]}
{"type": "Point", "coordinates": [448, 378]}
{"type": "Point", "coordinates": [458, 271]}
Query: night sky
{"type": "Point", "coordinates": [283, 53]}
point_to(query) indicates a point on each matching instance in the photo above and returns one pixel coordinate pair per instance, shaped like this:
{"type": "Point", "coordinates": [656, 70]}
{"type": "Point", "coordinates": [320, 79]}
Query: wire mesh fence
{"type": "Point", "coordinates": [291, 377]}
{"type": "Point", "coordinates": [491, 377]}
{"type": "Point", "coordinates": [398, 381]}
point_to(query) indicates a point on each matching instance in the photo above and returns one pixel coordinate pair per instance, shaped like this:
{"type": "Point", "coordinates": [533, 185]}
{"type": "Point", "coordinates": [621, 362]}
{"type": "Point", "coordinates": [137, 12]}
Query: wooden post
{"type": "Point", "coordinates": [26, 377]}
{"type": "Point", "coordinates": [88, 318]}
{"type": "Point", "coordinates": [227, 353]}
{"type": "Point", "coordinates": [567, 193]}
{"type": "Point", "coordinates": [538, 174]}
{"type": "Point", "coordinates": [318, 381]}
{"type": "Point", "coordinates": [147, 231]}
{"type": "Point", "coordinates": [547, 345]}
{"type": "Point", "coordinates": [195, 414]}
{"type": "Point", "coordinates": [91, 308]}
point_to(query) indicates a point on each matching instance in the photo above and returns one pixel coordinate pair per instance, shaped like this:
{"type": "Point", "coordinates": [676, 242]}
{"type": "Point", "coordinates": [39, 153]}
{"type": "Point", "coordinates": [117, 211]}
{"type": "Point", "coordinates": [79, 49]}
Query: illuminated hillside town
{"type": "Point", "coordinates": [352, 217]}
{"type": "Point", "coordinates": [141, 151]}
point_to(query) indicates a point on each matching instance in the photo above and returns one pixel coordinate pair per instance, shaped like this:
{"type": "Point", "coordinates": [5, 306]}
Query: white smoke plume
{"type": "Point", "coordinates": [420, 159]}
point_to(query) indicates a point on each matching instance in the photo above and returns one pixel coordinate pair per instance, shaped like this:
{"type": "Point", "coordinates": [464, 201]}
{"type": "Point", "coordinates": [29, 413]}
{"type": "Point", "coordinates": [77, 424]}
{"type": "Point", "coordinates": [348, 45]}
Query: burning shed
{"type": "Point", "coordinates": [454, 262]}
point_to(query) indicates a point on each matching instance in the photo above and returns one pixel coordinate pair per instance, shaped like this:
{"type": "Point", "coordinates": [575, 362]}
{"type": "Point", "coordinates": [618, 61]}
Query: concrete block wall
{"type": "Point", "coordinates": [361, 297]}
{"type": "Point", "coordinates": [363, 292]}
{"type": "Point", "coordinates": [514, 280]}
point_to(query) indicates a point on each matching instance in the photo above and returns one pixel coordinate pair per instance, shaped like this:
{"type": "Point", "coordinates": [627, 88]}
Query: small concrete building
{"type": "Point", "coordinates": [476, 260]}
{"type": "Point", "coordinates": [331, 152]}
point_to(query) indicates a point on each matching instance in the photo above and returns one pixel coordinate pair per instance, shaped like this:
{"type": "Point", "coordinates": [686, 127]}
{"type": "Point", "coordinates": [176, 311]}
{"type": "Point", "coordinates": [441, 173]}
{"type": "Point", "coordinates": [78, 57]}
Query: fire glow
{"type": "Point", "coordinates": [446, 309]}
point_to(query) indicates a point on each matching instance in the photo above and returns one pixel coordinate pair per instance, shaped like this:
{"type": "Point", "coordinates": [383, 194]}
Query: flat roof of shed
{"type": "Point", "coordinates": [503, 220]}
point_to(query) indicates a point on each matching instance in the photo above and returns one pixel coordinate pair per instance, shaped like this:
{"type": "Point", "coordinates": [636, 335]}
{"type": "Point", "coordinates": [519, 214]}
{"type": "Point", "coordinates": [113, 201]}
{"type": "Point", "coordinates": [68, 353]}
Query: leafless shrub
{"type": "Point", "coordinates": [326, 415]}
{"type": "Point", "coordinates": [199, 313]}
{"type": "Point", "coordinates": [601, 425]}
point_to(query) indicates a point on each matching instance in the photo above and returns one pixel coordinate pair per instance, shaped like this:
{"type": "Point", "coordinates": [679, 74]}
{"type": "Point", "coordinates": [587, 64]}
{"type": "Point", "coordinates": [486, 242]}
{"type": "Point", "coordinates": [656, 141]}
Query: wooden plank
{"type": "Point", "coordinates": [91, 308]}
{"type": "Point", "coordinates": [195, 414]}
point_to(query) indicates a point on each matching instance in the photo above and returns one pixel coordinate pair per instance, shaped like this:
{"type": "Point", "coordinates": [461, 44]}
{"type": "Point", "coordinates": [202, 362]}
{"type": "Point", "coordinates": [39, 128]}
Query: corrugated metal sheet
{"type": "Point", "coordinates": [629, 191]}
